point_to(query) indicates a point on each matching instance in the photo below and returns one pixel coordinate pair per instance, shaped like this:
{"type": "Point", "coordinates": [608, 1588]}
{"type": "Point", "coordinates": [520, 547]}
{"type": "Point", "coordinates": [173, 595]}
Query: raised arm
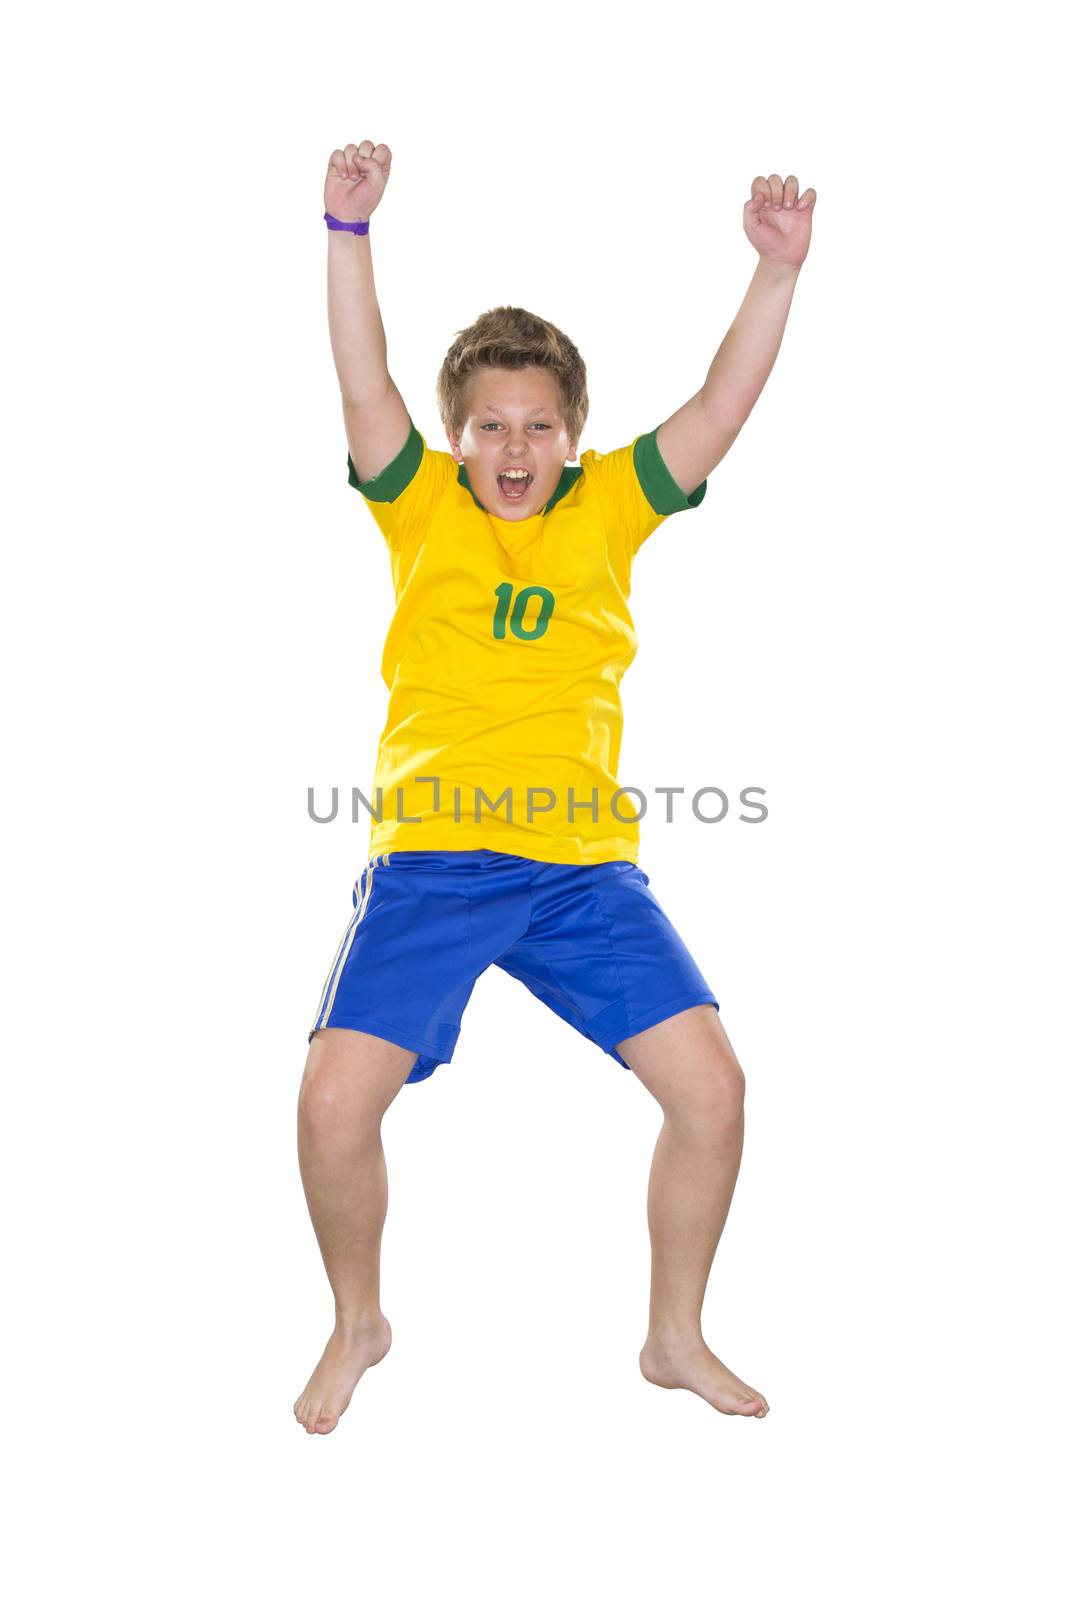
{"type": "Point", "coordinates": [694, 440]}
{"type": "Point", "coordinates": [376, 418]}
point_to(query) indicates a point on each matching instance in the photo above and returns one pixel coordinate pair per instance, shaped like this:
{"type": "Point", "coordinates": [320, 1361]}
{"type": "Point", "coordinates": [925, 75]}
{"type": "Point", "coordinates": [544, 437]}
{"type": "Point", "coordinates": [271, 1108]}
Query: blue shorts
{"type": "Point", "coordinates": [592, 942]}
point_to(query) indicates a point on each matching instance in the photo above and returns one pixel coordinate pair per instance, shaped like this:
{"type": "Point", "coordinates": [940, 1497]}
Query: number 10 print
{"type": "Point", "coordinates": [517, 621]}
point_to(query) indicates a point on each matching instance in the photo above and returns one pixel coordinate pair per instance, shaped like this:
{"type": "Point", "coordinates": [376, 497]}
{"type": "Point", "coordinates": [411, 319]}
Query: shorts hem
{"type": "Point", "coordinates": [660, 1013]}
{"type": "Point", "coordinates": [385, 1030]}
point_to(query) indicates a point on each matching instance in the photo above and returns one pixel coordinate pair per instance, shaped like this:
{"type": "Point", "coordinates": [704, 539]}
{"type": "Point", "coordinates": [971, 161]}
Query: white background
{"type": "Point", "coordinates": [862, 618]}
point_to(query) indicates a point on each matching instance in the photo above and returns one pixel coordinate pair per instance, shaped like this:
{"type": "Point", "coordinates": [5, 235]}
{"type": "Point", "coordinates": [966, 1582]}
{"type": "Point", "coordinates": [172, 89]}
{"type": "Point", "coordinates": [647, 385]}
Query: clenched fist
{"type": "Point", "coordinates": [776, 222]}
{"type": "Point", "coordinates": [356, 180]}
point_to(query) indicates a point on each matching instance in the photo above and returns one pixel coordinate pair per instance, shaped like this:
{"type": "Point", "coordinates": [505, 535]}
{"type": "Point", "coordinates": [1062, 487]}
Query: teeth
{"type": "Point", "coordinates": [515, 472]}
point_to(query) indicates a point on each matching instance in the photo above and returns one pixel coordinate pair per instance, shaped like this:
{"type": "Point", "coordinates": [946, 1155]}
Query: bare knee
{"type": "Point", "coordinates": [711, 1096]}
{"type": "Point", "coordinates": [334, 1102]}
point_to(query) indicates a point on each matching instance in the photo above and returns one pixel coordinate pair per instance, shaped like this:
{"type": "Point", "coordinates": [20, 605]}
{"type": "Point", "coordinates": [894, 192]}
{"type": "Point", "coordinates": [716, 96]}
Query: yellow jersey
{"type": "Point", "coordinates": [505, 655]}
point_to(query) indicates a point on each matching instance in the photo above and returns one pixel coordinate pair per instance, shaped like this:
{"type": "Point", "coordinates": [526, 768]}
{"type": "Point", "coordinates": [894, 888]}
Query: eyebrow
{"type": "Point", "coordinates": [533, 413]}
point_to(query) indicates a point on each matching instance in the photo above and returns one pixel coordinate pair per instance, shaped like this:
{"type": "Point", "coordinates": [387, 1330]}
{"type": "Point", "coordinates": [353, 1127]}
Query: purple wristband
{"type": "Point", "coordinates": [348, 227]}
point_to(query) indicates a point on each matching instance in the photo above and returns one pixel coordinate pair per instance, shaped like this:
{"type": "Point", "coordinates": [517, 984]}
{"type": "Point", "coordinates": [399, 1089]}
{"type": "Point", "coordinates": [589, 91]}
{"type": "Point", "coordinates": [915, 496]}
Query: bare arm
{"type": "Point", "coordinates": [694, 440]}
{"type": "Point", "coordinates": [376, 418]}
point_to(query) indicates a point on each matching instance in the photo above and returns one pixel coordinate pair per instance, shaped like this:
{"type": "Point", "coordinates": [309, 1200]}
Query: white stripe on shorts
{"type": "Point", "coordinates": [362, 899]}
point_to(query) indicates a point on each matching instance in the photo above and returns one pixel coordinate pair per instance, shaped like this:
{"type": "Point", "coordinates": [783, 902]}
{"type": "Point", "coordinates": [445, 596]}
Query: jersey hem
{"type": "Point", "coordinates": [562, 852]}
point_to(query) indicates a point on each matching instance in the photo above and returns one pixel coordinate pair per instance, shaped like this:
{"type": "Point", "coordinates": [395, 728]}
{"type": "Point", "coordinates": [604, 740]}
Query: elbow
{"type": "Point", "coordinates": [369, 396]}
{"type": "Point", "coordinates": [725, 424]}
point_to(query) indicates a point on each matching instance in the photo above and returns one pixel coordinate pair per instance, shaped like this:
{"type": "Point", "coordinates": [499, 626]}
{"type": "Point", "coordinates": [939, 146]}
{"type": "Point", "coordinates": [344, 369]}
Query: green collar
{"type": "Point", "coordinates": [568, 478]}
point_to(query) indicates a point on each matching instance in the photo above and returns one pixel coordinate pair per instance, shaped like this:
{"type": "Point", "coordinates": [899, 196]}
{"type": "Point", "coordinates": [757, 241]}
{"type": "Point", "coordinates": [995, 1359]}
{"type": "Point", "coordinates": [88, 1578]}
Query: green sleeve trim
{"type": "Point", "coordinates": [660, 489]}
{"type": "Point", "coordinates": [390, 483]}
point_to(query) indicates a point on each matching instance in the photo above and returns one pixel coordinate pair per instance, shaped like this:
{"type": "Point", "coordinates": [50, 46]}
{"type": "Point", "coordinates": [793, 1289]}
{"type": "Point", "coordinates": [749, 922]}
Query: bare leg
{"type": "Point", "coordinates": [349, 1082]}
{"type": "Point", "coordinates": [688, 1064]}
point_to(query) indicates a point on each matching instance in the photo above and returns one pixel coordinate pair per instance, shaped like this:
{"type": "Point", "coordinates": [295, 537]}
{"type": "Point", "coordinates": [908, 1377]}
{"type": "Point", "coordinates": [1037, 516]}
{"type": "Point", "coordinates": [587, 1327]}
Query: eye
{"type": "Point", "coordinates": [546, 425]}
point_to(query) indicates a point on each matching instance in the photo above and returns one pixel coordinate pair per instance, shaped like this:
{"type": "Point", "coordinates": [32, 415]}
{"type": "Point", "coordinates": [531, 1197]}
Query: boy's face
{"type": "Point", "coordinates": [513, 421]}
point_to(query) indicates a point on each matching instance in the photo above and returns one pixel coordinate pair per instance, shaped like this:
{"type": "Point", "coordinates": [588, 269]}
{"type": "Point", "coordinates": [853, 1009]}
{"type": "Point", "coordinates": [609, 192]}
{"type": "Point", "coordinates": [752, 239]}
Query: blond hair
{"type": "Point", "coordinates": [510, 337]}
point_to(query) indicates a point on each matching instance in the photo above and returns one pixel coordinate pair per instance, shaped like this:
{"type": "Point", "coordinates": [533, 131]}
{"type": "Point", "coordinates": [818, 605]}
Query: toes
{"type": "Point", "coordinates": [315, 1424]}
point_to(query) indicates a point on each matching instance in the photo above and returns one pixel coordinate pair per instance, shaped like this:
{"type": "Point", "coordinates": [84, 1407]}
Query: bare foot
{"type": "Point", "coordinates": [344, 1361]}
{"type": "Point", "coordinates": [691, 1365]}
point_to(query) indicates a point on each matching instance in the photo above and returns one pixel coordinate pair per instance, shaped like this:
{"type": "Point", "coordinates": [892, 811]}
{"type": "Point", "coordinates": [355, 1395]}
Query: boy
{"type": "Point", "coordinates": [499, 833]}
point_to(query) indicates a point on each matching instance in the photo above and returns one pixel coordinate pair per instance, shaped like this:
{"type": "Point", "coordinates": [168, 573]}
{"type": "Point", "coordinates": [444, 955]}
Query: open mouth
{"type": "Point", "coordinates": [514, 488]}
